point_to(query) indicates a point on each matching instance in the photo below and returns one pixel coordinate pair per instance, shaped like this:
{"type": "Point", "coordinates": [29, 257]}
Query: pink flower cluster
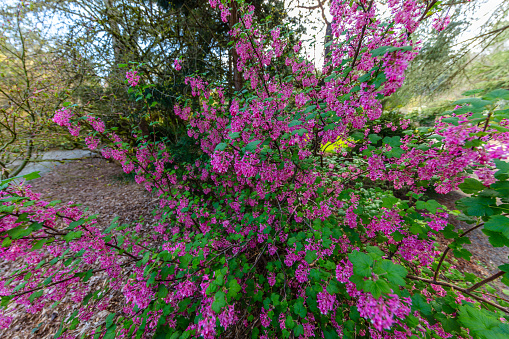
{"type": "Point", "coordinates": [177, 65]}
{"type": "Point", "coordinates": [441, 23]}
{"type": "Point", "coordinates": [133, 79]}
{"type": "Point", "coordinates": [383, 313]}
{"type": "Point", "coordinates": [63, 117]}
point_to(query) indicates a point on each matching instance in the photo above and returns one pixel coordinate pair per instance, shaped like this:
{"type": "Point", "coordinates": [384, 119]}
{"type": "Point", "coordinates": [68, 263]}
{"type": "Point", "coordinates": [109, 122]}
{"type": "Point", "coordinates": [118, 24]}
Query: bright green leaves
{"type": "Point", "coordinates": [233, 288]}
{"type": "Point", "coordinates": [395, 143]}
{"type": "Point", "coordinates": [300, 309]}
{"type": "Point", "coordinates": [389, 49]}
{"type": "Point", "coordinates": [35, 295]}
{"type": "Point", "coordinates": [482, 323]}
{"type": "Point", "coordinates": [376, 287]}
{"type": "Point", "coordinates": [184, 260]}
{"type": "Point", "coordinates": [221, 146]}
{"type": "Point", "coordinates": [393, 272]}
{"type": "Point", "coordinates": [503, 169]}
{"type": "Point", "coordinates": [477, 206]}
{"type": "Point", "coordinates": [73, 235]}
{"type": "Point", "coordinates": [474, 102]}
{"type": "Point", "coordinates": [6, 242]}
{"type": "Point", "coordinates": [300, 131]}
{"type": "Point", "coordinates": [430, 205]}
{"type": "Point", "coordinates": [250, 147]}
{"type": "Point", "coordinates": [362, 263]}
{"type": "Point", "coordinates": [498, 223]}
{"type": "Point", "coordinates": [294, 123]}
{"type": "Point", "coordinates": [392, 141]}
{"type": "Point", "coordinates": [310, 256]}
{"type": "Point", "coordinates": [419, 304]}
{"type": "Point", "coordinates": [471, 185]}
{"type": "Point", "coordinates": [219, 301]}
{"type": "Point", "coordinates": [389, 201]}
{"type": "Point", "coordinates": [298, 330]}
{"type": "Point", "coordinates": [289, 322]}
{"type": "Point", "coordinates": [23, 231]}
{"type": "Point", "coordinates": [384, 276]}
{"type": "Point", "coordinates": [497, 94]}
{"type": "Point", "coordinates": [234, 135]}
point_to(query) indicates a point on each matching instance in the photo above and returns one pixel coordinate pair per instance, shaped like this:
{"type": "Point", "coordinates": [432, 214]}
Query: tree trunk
{"type": "Point", "coordinates": [234, 57]}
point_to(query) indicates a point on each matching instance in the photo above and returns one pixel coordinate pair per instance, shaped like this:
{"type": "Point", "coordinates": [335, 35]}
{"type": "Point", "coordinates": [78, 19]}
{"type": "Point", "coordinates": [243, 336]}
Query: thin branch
{"type": "Point", "coordinates": [460, 289]}
{"type": "Point", "coordinates": [485, 281]}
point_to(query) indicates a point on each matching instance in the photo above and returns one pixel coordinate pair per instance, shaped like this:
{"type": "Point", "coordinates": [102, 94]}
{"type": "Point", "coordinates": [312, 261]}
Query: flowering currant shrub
{"type": "Point", "coordinates": [264, 235]}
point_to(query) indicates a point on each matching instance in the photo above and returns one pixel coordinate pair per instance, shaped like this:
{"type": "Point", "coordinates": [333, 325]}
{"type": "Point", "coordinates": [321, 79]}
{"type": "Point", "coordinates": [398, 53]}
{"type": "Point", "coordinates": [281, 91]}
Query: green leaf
{"type": "Point", "coordinates": [220, 147]}
{"type": "Point", "coordinates": [289, 322]}
{"type": "Point", "coordinates": [73, 235]}
{"type": "Point", "coordinates": [374, 138]}
{"type": "Point", "coordinates": [330, 333]}
{"type": "Point", "coordinates": [7, 242]}
{"type": "Point", "coordinates": [252, 145]}
{"type": "Point", "coordinates": [233, 288]}
{"type": "Point", "coordinates": [482, 323]}
{"type": "Point", "coordinates": [300, 309]}
{"type": "Point", "coordinates": [395, 273]}
{"type": "Point", "coordinates": [472, 92]}
{"type": "Point", "coordinates": [388, 49]}
{"type": "Point", "coordinates": [430, 205]}
{"type": "Point", "coordinates": [184, 260]}
{"type": "Point", "coordinates": [474, 102]}
{"type": "Point", "coordinates": [502, 187]}
{"type": "Point", "coordinates": [503, 169]}
{"type": "Point", "coordinates": [75, 224]}
{"type": "Point", "coordinates": [389, 201]}
{"type": "Point", "coordinates": [35, 295]}
{"type": "Point", "coordinates": [31, 176]}
{"type": "Point", "coordinates": [299, 330]}
{"type": "Point", "coordinates": [310, 256]}
{"type": "Point", "coordinates": [162, 292]}
{"type": "Point", "coordinates": [333, 287]}
{"type": "Point", "coordinates": [376, 288]}
{"type": "Point", "coordinates": [498, 223]}
{"type": "Point", "coordinates": [219, 301]}
{"type": "Point", "coordinates": [300, 132]}
{"type": "Point", "coordinates": [361, 263]}
{"type": "Point", "coordinates": [109, 319]}
{"type": "Point", "coordinates": [375, 252]}
{"type": "Point", "coordinates": [497, 94]}
{"type": "Point", "coordinates": [392, 141]}
{"type": "Point", "coordinates": [477, 206]}
{"type": "Point", "coordinates": [470, 186]}
{"type": "Point", "coordinates": [420, 304]}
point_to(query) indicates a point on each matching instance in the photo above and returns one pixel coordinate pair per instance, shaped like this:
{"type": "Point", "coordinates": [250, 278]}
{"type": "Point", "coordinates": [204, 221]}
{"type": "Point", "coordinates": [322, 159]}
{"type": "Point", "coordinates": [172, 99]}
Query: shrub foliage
{"type": "Point", "coordinates": [260, 233]}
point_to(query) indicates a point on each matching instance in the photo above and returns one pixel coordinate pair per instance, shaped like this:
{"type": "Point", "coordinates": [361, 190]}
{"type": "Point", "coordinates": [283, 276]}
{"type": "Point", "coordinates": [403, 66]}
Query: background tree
{"type": "Point", "coordinates": [149, 35]}
{"type": "Point", "coordinates": [444, 61]}
{"type": "Point", "coordinates": [34, 82]}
